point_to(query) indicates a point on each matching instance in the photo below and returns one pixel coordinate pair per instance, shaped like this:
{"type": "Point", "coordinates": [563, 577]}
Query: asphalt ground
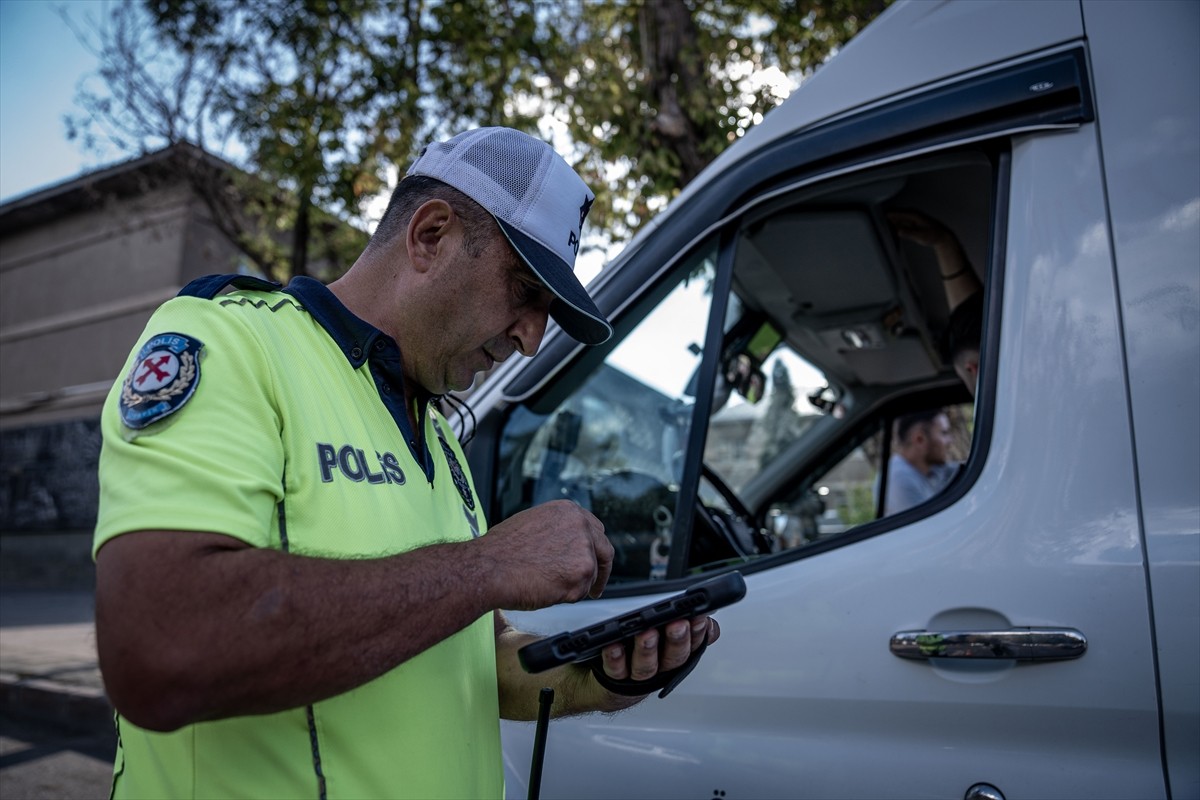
{"type": "Point", "coordinates": [56, 732]}
{"type": "Point", "coordinates": [46, 761]}
{"type": "Point", "coordinates": [48, 665]}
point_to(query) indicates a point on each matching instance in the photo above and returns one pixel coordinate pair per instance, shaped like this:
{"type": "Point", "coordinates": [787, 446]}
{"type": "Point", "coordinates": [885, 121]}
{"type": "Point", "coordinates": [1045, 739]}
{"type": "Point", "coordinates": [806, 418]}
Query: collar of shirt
{"type": "Point", "coordinates": [357, 338]}
{"type": "Point", "coordinates": [360, 342]}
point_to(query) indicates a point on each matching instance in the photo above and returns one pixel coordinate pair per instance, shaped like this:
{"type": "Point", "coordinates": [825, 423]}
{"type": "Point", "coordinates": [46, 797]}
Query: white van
{"type": "Point", "coordinates": [1031, 628]}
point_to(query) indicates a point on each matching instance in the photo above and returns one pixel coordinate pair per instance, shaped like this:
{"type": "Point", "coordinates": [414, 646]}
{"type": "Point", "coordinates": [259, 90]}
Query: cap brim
{"type": "Point", "coordinates": [574, 311]}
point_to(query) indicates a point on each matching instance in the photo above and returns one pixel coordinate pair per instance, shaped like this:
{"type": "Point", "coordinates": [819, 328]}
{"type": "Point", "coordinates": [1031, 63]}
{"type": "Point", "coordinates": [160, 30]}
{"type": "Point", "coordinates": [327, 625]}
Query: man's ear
{"type": "Point", "coordinates": [427, 234]}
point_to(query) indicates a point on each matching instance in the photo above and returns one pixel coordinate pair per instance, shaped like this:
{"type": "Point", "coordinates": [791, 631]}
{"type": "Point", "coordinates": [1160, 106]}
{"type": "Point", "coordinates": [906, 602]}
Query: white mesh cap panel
{"type": "Point", "coordinates": [511, 165]}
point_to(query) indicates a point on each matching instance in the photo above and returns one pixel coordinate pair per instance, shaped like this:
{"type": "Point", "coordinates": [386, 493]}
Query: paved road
{"type": "Point", "coordinates": [40, 761]}
{"type": "Point", "coordinates": [56, 735]}
{"type": "Point", "coordinates": [49, 636]}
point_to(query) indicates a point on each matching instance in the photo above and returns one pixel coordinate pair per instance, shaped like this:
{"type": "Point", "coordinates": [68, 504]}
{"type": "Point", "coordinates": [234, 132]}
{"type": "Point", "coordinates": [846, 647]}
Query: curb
{"type": "Point", "coordinates": [76, 707]}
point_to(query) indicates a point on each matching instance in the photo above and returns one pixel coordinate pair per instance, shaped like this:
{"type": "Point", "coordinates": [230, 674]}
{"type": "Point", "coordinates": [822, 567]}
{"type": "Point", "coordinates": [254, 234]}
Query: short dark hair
{"type": "Point", "coordinates": [964, 329]}
{"type": "Point", "coordinates": [412, 192]}
{"type": "Point", "coordinates": [906, 422]}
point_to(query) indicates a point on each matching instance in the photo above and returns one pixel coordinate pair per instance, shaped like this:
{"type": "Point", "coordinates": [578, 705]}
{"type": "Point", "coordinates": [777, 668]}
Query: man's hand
{"type": "Point", "coordinates": [652, 653]}
{"type": "Point", "coordinates": [920, 228]}
{"type": "Point", "coordinates": [552, 553]}
{"type": "Point", "coordinates": [576, 689]}
{"type": "Point", "coordinates": [556, 553]}
{"type": "Point", "coordinates": [958, 278]}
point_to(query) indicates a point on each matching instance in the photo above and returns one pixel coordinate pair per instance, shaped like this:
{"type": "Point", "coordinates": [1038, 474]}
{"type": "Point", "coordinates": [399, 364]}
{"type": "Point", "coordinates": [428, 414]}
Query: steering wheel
{"type": "Point", "coordinates": [735, 533]}
{"type": "Point", "coordinates": [727, 494]}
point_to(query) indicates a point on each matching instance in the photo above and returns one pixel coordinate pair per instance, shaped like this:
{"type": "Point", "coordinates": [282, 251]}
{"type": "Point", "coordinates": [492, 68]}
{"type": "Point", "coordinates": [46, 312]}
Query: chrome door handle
{"type": "Point", "coordinates": [1021, 644]}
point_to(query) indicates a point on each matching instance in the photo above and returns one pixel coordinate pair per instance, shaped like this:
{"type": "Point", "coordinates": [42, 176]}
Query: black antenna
{"type": "Point", "coordinates": [545, 699]}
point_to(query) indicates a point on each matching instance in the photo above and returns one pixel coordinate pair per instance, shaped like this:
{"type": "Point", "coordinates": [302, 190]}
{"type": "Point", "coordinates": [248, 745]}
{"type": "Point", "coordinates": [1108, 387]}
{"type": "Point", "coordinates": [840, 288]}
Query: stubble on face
{"type": "Point", "coordinates": [495, 290]}
{"type": "Point", "coordinates": [938, 440]}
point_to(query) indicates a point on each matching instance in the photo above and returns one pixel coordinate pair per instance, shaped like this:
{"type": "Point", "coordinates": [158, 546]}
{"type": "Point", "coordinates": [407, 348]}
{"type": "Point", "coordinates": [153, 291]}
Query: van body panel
{"type": "Point", "coordinates": [1150, 99]}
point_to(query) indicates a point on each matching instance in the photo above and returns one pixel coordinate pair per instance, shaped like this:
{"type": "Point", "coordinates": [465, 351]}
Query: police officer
{"type": "Point", "coordinates": [297, 593]}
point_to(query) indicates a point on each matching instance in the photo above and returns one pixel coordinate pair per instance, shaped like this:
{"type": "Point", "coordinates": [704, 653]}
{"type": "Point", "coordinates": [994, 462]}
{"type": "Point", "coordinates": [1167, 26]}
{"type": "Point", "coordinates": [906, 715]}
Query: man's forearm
{"type": "Point", "coordinates": [575, 690]}
{"type": "Point", "coordinates": [204, 632]}
{"type": "Point", "coordinates": [958, 278]}
{"type": "Point", "coordinates": [193, 626]}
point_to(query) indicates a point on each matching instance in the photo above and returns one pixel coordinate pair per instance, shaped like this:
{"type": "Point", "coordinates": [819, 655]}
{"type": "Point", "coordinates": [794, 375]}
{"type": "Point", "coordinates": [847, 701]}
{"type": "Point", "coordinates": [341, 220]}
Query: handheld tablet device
{"type": "Point", "coordinates": [584, 643]}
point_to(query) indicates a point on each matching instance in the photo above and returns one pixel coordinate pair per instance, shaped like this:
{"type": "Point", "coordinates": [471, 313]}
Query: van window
{"type": "Point", "coordinates": [851, 492]}
{"type": "Point", "coordinates": [614, 443]}
{"type": "Point", "coordinates": [834, 338]}
{"type": "Point", "coordinates": [858, 413]}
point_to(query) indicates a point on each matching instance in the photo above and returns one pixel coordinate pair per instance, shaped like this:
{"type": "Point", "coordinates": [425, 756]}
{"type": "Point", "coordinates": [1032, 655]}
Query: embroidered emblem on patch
{"type": "Point", "coordinates": [460, 480]}
{"type": "Point", "coordinates": [164, 377]}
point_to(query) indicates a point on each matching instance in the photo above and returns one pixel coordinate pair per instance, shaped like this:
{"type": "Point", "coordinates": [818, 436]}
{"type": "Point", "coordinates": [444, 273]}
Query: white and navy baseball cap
{"type": "Point", "coordinates": [540, 204]}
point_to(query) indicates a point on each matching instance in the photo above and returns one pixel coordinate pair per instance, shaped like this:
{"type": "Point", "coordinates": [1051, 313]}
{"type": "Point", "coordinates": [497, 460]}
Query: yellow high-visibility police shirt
{"type": "Point", "coordinates": [277, 418]}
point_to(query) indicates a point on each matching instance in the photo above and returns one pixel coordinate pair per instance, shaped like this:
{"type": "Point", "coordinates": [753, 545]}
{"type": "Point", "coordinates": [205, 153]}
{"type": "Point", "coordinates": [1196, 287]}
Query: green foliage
{"type": "Point", "coordinates": [661, 87]}
{"type": "Point", "coordinates": [859, 507]}
{"type": "Point", "coordinates": [323, 99]}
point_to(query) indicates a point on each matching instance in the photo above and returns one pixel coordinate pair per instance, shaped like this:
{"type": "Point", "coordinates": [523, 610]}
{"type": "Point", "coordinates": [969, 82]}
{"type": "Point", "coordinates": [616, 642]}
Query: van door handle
{"type": "Point", "coordinates": [1021, 644]}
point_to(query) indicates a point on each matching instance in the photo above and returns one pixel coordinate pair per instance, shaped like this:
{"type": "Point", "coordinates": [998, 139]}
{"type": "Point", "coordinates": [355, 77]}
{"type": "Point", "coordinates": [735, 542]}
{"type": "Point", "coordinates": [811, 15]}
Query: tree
{"type": "Point", "coordinates": [661, 87]}
{"type": "Point", "coordinates": [321, 101]}
{"type": "Point", "coordinates": [287, 84]}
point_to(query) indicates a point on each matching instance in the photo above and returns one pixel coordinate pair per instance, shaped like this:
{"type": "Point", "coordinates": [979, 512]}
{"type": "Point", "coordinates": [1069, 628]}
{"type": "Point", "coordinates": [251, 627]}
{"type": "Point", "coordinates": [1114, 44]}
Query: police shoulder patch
{"type": "Point", "coordinates": [164, 376]}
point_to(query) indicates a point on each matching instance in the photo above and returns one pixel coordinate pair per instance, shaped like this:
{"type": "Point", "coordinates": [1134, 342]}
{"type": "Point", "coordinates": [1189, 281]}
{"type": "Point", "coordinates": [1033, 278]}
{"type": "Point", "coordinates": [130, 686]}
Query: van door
{"type": "Point", "coordinates": [995, 632]}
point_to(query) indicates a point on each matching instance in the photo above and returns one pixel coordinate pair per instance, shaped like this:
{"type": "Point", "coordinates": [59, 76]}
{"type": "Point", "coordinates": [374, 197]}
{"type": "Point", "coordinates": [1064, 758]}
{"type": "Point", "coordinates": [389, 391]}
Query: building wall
{"type": "Point", "coordinates": [82, 267]}
{"type": "Point", "coordinates": [75, 262]}
{"type": "Point", "coordinates": [76, 292]}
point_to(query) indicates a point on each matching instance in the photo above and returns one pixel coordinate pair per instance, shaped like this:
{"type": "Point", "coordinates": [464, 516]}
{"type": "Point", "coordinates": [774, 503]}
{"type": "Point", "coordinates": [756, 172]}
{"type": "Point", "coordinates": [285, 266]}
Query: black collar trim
{"type": "Point", "coordinates": [353, 335]}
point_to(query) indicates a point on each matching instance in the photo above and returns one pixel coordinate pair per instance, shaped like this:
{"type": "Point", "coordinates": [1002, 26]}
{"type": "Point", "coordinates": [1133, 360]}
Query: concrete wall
{"type": "Point", "coordinates": [93, 258]}
{"type": "Point", "coordinates": [79, 278]}
{"type": "Point", "coordinates": [60, 561]}
{"type": "Point", "coordinates": [82, 267]}
{"type": "Point", "coordinates": [76, 292]}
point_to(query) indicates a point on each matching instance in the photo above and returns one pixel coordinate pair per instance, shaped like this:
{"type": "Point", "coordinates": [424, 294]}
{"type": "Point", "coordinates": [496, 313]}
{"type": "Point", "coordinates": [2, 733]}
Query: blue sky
{"type": "Point", "coordinates": [40, 64]}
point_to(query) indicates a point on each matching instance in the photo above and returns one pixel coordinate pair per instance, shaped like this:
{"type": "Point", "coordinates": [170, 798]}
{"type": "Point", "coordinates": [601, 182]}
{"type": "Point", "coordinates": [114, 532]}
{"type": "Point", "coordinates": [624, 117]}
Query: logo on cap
{"type": "Point", "coordinates": [584, 209]}
{"type": "Point", "coordinates": [573, 236]}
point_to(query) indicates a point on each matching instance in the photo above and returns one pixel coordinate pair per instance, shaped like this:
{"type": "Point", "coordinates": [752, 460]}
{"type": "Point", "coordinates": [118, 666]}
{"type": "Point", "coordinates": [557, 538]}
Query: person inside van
{"type": "Point", "coordinates": [962, 339]}
{"type": "Point", "coordinates": [919, 467]}
{"type": "Point", "coordinates": [964, 292]}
